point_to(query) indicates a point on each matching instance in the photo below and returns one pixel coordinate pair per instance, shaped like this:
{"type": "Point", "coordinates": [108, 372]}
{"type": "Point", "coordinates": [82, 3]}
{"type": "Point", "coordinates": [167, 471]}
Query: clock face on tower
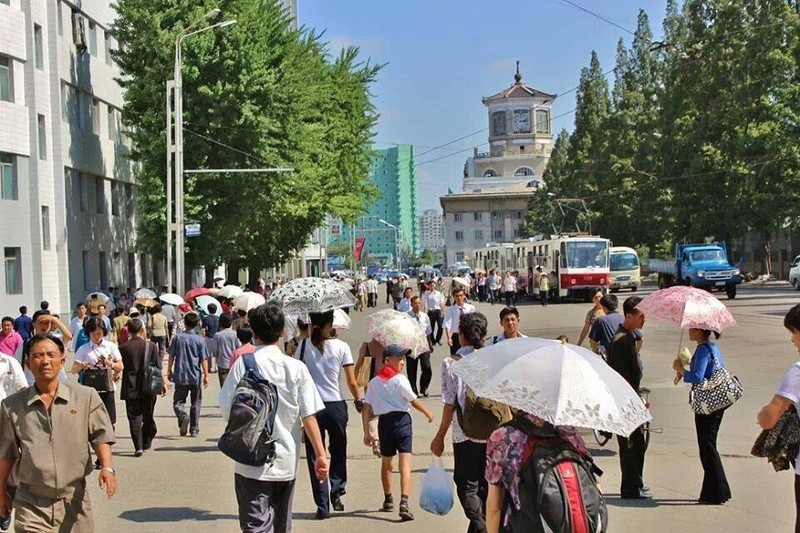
{"type": "Point", "coordinates": [522, 121]}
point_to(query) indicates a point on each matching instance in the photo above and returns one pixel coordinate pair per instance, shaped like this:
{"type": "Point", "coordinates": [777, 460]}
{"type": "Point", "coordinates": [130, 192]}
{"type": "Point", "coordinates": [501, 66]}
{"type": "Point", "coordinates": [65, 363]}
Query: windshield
{"type": "Point", "coordinates": [626, 261]}
{"type": "Point", "coordinates": [707, 255]}
{"type": "Point", "coordinates": [584, 254]}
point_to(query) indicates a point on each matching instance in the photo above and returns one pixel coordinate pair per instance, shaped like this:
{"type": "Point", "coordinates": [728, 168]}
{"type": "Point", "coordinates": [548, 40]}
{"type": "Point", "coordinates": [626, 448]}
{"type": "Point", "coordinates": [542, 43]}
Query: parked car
{"type": "Point", "coordinates": [794, 273]}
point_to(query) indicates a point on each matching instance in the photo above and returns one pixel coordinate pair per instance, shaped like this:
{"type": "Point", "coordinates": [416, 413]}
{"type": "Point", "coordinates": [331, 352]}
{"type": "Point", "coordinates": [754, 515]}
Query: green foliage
{"type": "Point", "coordinates": [256, 94]}
{"type": "Point", "coordinates": [699, 137]}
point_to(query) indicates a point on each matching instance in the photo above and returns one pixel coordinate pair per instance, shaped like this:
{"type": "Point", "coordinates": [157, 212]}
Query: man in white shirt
{"type": "Point", "coordinates": [372, 292]}
{"type": "Point", "coordinates": [433, 303]}
{"type": "Point", "coordinates": [404, 305]}
{"type": "Point", "coordinates": [264, 493]}
{"type": "Point", "coordinates": [76, 323]}
{"type": "Point", "coordinates": [422, 360]}
{"type": "Point", "coordinates": [453, 318]}
{"type": "Point", "coordinates": [510, 288]}
{"type": "Point", "coordinates": [509, 320]}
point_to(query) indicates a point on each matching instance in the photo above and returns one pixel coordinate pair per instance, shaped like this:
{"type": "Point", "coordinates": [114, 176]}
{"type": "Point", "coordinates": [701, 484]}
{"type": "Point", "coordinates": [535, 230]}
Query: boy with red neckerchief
{"type": "Point", "coordinates": [389, 396]}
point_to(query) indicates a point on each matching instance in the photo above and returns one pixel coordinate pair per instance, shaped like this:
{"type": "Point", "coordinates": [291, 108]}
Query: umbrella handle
{"type": "Point", "coordinates": [680, 344]}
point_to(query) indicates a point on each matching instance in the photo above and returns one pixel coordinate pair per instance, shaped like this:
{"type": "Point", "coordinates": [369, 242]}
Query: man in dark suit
{"type": "Point", "coordinates": [137, 355]}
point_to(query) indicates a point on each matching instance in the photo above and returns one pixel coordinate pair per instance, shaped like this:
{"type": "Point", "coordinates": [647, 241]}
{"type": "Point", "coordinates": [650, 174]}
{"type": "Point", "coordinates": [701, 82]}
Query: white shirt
{"type": "Point", "coordinates": [326, 369]}
{"type": "Point", "coordinates": [372, 286]}
{"type": "Point", "coordinates": [12, 377]}
{"type": "Point", "coordinates": [404, 305]}
{"type": "Point", "coordinates": [91, 353]}
{"type": "Point", "coordinates": [75, 325]}
{"type": "Point", "coordinates": [453, 316]}
{"type": "Point", "coordinates": [390, 395]}
{"type": "Point", "coordinates": [790, 389]}
{"type": "Point", "coordinates": [510, 284]}
{"type": "Point", "coordinates": [297, 399]}
{"type": "Point", "coordinates": [454, 391]}
{"type": "Point", "coordinates": [494, 281]}
{"type": "Point", "coordinates": [498, 338]}
{"type": "Point", "coordinates": [432, 300]}
{"type": "Point", "coordinates": [423, 322]}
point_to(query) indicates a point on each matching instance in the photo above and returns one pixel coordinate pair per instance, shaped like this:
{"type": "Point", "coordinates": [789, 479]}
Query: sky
{"type": "Point", "coordinates": [443, 56]}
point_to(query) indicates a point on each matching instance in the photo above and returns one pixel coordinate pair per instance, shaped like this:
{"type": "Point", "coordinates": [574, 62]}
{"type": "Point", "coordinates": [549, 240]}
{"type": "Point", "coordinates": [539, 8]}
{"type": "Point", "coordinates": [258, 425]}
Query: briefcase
{"type": "Point", "coordinates": [100, 379]}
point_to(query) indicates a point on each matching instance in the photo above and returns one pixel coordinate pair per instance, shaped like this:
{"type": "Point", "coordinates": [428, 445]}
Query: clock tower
{"type": "Point", "coordinates": [520, 139]}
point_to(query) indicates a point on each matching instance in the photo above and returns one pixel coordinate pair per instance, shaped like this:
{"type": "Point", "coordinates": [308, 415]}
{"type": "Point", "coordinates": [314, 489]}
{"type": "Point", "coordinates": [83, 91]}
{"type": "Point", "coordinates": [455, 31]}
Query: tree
{"type": "Point", "coordinates": [543, 215]}
{"type": "Point", "coordinates": [257, 94]}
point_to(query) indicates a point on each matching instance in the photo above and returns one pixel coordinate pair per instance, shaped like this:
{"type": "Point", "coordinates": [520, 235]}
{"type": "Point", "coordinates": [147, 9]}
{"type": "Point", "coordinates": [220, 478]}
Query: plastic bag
{"type": "Point", "coordinates": [437, 489]}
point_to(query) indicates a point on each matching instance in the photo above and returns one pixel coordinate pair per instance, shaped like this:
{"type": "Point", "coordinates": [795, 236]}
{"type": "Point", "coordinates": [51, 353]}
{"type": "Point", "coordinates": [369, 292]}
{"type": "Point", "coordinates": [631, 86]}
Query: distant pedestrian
{"type": "Point", "coordinates": [510, 289]}
{"type": "Point", "coordinates": [99, 353]}
{"type": "Point", "coordinates": [544, 289]}
{"type": "Point", "coordinates": [493, 283]}
{"type": "Point", "coordinates": [423, 360]}
{"type": "Point", "coordinates": [137, 355]}
{"type": "Point", "coordinates": [361, 295]}
{"type": "Point", "coordinates": [188, 369]}
{"type": "Point", "coordinates": [452, 319]}
{"type": "Point", "coordinates": [606, 326]}
{"type": "Point", "coordinates": [389, 397]}
{"type": "Point", "coordinates": [404, 305]}
{"type": "Point", "coordinates": [509, 321]}
{"type": "Point", "coordinates": [433, 303]}
{"type": "Point", "coordinates": [706, 359]}
{"type": "Point", "coordinates": [211, 322]}
{"type": "Point", "coordinates": [245, 336]}
{"type": "Point", "coordinates": [372, 292]}
{"type": "Point", "coordinates": [596, 311]}
{"type": "Point", "coordinates": [226, 343]}
{"type": "Point", "coordinates": [77, 322]}
{"type": "Point", "coordinates": [23, 324]}
{"type": "Point", "coordinates": [44, 305]}
{"type": "Point", "coordinates": [158, 328]}
{"type": "Point", "coordinates": [10, 340]}
{"type": "Point", "coordinates": [264, 493]}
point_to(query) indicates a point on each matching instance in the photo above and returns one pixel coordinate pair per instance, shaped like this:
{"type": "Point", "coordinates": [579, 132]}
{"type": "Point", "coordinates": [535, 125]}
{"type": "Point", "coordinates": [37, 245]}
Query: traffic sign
{"type": "Point", "coordinates": [192, 230]}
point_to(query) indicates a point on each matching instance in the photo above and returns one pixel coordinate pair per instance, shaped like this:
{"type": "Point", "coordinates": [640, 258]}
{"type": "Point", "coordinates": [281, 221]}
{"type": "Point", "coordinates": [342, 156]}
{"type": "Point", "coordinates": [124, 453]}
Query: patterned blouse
{"type": "Point", "coordinates": [504, 451]}
{"type": "Point", "coordinates": [591, 316]}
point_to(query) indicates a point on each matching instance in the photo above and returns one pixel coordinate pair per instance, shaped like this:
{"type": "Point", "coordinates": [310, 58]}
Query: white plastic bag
{"type": "Point", "coordinates": [437, 489]}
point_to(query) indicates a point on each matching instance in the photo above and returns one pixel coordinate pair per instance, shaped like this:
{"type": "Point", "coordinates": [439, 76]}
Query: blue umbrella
{"type": "Point", "coordinates": [203, 302]}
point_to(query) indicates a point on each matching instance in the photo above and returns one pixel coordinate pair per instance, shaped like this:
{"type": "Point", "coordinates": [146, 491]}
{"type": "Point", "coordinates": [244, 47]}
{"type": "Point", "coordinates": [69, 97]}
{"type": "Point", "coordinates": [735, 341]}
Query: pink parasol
{"type": "Point", "coordinates": [197, 291]}
{"type": "Point", "coordinates": [687, 308]}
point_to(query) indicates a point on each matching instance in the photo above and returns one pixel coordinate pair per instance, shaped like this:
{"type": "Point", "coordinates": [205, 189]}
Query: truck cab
{"type": "Point", "coordinates": [706, 266]}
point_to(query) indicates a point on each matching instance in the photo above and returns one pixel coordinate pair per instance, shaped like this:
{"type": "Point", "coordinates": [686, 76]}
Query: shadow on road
{"type": "Point", "coordinates": [614, 500]}
{"type": "Point", "coordinates": [188, 449]}
{"type": "Point", "coordinates": [173, 514]}
{"type": "Point", "coordinates": [361, 513]}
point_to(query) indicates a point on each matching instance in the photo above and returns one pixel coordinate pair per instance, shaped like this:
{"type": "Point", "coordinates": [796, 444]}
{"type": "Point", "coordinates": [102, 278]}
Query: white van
{"type": "Point", "coordinates": [625, 272]}
{"type": "Point", "coordinates": [794, 273]}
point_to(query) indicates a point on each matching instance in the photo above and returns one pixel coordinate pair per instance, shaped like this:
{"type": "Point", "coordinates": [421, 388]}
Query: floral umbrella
{"type": "Point", "coordinates": [312, 295]}
{"type": "Point", "coordinates": [564, 384]}
{"type": "Point", "coordinates": [230, 291]}
{"type": "Point", "coordinates": [393, 327]}
{"type": "Point", "coordinates": [687, 308]}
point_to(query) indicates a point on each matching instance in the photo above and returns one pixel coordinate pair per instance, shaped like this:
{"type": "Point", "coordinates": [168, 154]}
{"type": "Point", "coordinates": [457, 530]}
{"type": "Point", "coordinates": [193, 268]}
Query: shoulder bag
{"type": "Point", "coordinates": [153, 382]}
{"type": "Point", "coordinates": [716, 393]}
{"type": "Point", "coordinates": [99, 378]}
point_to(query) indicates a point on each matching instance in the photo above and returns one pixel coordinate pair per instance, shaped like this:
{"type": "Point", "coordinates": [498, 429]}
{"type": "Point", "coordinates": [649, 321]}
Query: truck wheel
{"type": "Point", "coordinates": [730, 290]}
{"type": "Point", "coordinates": [688, 282]}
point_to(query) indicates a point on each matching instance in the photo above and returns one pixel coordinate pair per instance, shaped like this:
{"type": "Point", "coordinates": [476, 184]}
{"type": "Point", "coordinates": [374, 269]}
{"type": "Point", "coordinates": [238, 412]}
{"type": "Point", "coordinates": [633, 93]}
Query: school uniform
{"type": "Point", "coordinates": [390, 400]}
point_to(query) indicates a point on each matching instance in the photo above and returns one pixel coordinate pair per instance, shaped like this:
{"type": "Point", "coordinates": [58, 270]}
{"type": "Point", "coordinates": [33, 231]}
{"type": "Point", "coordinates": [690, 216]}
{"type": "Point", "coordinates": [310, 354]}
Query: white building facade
{"type": "Point", "coordinates": [67, 209]}
{"type": "Point", "coordinates": [431, 230]}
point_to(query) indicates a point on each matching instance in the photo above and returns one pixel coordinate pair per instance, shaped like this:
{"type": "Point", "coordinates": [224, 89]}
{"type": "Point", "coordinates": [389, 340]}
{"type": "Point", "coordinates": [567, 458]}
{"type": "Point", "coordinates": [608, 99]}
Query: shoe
{"type": "Point", "coordinates": [193, 433]}
{"type": "Point", "coordinates": [138, 453]}
{"type": "Point", "coordinates": [388, 504]}
{"type": "Point", "coordinates": [405, 514]}
{"type": "Point", "coordinates": [5, 522]}
{"type": "Point", "coordinates": [641, 495]}
{"type": "Point", "coordinates": [183, 425]}
{"type": "Point", "coordinates": [706, 502]}
{"type": "Point", "coordinates": [321, 515]}
{"type": "Point", "coordinates": [336, 503]}
{"type": "Point", "coordinates": [425, 394]}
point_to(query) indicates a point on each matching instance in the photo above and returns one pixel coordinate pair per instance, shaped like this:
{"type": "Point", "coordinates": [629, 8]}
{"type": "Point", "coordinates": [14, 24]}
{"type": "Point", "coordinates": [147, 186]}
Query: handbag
{"type": "Point", "coordinates": [99, 379]}
{"type": "Point", "coordinates": [716, 393]}
{"type": "Point", "coordinates": [153, 381]}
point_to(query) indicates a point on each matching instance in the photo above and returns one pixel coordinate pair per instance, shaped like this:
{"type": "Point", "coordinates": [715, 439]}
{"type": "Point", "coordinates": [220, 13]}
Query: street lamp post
{"type": "Point", "coordinates": [396, 242]}
{"type": "Point", "coordinates": [179, 172]}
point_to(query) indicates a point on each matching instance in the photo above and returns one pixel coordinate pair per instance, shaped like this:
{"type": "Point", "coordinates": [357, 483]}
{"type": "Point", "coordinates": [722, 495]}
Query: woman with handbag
{"type": "Point", "coordinates": [706, 360]}
{"type": "Point", "coordinates": [96, 362]}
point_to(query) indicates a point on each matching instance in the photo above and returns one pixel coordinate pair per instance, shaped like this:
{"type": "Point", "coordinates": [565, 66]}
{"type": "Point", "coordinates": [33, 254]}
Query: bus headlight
{"type": "Point", "coordinates": [701, 274]}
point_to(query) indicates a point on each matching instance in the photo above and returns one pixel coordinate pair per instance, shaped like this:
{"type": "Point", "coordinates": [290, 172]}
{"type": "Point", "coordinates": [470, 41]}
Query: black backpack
{"type": "Point", "coordinates": [248, 435]}
{"type": "Point", "coordinates": [557, 490]}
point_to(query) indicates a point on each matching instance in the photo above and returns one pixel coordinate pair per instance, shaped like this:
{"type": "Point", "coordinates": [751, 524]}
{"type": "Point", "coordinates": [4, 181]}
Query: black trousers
{"type": "Point", "coordinates": [264, 506]}
{"type": "Point", "coordinates": [455, 343]}
{"type": "Point", "coordinates": [631, 462]}
{"type": "Point", "coordinates": [437, 324]}
{"type": "Point", "coordinates": [543, 297]}
{"type": "Point", "coordinates": [715, 484]}
{"type": "Point", "coordinates": [510, 298]}
{"type": "Point", "coordinates": [141, 421]}
{"type": "Point", "coordinates": [423, 361]}
{"type": "Point", "coordinates": [333, 421]}
{"type": "Point", "coordinates": [111, 407]}
{"type": "Point", "coordinates": [470, 478]}
{"type": "Point", "coordinates": [797, 503]}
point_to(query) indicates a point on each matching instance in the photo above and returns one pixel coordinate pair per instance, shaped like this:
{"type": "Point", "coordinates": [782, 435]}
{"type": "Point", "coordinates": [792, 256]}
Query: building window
{"type": "Point", "coordinates": [13, 268]}
{"type": "Point", "coordinates": [459, 235]}
{"type": "Point", "coordinates": [78, 32]}
{"type": "Point", "coordinates": [6, 79]}
{"type": "Point", "coordinates": [499, 123]}
{"type": "Point", "coordinates": [523, 171]}
{"type": "Point", "coordinates": [479, 234]}
{"type": "Point", "coordinates": [498, 234]}
{"type": "Point", "coordinates": [60, 16]}
{"type": "Point", "coordinates": [518, 215]}
{"type": "Point", "coordinates": [497, 215]}
{"type": "Point", "coordinates": [522, 121]}
{"type": "Point", "coordinates": [103, 270]}
{"type": "Point", "coordinates": [130, 200]}
{"type": "Point", "coordinates": [87, 274]}
{"type": "Point", "coordinates": [115, 198]}
{"type": "Point", "coordinates": [93, 38]}
{"type": "Point", "coordinates": [478, 216]}
{"type": "Point", "coordinates": [109, 60]}
{"type": "Point", "coordinates": [516, 233]}
{"type": "Point", "coordinates": [94, 115]}
{"type": "Point", "coordinates": [83, 191]}
{"type": "Point", "coordinates": [42, 131]}
{"type": "Point", "coordinates": [459, 256]}
{"type": "Point", "coordinates": [100, 195]}
{"type": "Point", "coordinates": [38, 45]}
{"type": "Point", "coordinates": [458, 217]}
{"type": "Point", "coordinates": [45, 227]}
{"type": "Point", "coordinates": [112, 123]}
{"type": "Point", "coordinates": [490, 173]}
{"type": "Point", "coordinates": [542, 121]}
{"type": "Point", "coordinates": [8, 177]}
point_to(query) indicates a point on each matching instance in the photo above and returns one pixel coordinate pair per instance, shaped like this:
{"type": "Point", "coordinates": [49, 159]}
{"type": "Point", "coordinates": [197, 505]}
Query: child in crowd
{"type": "Point", "coordinates": [389, 395]}
{"type": "Point", "coordinates": [563, 338]}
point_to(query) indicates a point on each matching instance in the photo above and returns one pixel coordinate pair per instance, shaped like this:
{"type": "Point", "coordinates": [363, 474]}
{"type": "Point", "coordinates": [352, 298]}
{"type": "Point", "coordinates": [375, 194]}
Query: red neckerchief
{"type": "Point", "coordinates": [387, 373]}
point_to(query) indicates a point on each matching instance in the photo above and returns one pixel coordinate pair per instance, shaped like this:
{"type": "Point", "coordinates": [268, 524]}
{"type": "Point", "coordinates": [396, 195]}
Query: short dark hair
{"type": "Point", "coordinates": [80, 304]}
{"type": "Point", "coordinates": [408, 289]}
{"type": "Point", "coordinates": [413, 298]}
{"type": "Point", "coordinates": [629, 306]}
{"type": "Point", "coordinates": [190, 320]}
{"type": "Point", "coordinates": [135, 325]}
{"type": "Point", "coordinates": [7, 319]}
{"type": "Point", "coordinates": [609, 302]}
{"type": "Point", "coordinates": [792, 319]}
{"type": "Point", "coordinates": [457, 290]}
{"type": "Point", "coordinates": [156, 309]}
{"type": "Point", "coordinates": [39, 313]}
{"type": "Point", "coordinates": [473, 326]}
{"type": "Point", "coordinates": [224, 321]}
{"type": "Point", "coordinates": [244, 334]}
{"type": "Point", "coordinates": [23, 309]}
{"type": "Point", "coordinates": [267, 322]}
{"type": "Point", "coordinates": [39, 337]}
{"type": "Point", "coordinates": [44, 304]}
{"type": "Point", "coordinates": [508, 310]}
{"type": "Point", "coordinates": [95, 323]}
{"type": "Point", "coordinates": [212, 309]}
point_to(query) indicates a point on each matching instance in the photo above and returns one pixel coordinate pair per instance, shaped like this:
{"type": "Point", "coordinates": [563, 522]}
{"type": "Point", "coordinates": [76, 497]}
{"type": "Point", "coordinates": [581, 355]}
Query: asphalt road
{"type": "Point", "coordinates": [185, 484]}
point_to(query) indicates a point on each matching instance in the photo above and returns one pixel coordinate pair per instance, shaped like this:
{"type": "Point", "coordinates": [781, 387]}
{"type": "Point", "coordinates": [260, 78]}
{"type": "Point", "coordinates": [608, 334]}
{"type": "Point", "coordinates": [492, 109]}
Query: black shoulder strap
{"type": "Point", "coordinates": [302, 350]}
